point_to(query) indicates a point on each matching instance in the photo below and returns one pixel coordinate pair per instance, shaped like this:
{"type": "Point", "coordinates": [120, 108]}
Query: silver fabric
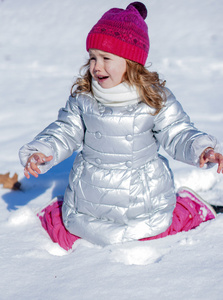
{"type": "Point", "coordinates": [120, 189]}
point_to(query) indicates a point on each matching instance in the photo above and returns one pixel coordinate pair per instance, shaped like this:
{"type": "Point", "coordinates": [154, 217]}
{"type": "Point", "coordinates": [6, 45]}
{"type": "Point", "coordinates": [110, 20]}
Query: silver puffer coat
{"type": "Point", "coordinates": [120, 189]}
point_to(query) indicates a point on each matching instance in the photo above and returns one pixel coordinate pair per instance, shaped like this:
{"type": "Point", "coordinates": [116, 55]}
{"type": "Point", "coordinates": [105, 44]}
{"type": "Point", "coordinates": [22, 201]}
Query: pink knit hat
{"type": "Point", "coordinates": [122, 32]}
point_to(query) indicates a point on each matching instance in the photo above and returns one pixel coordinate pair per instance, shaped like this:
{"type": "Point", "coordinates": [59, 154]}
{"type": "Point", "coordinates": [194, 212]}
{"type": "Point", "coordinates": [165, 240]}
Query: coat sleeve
{"type": "Point", "coordinates": [60, 139]}
{"type": "Point", "coordinates": [177, 135]}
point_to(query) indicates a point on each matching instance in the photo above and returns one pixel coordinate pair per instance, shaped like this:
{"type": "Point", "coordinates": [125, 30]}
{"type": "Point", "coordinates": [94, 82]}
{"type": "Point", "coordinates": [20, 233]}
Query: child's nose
{"type": "Point", "coordinates": [97, 66]}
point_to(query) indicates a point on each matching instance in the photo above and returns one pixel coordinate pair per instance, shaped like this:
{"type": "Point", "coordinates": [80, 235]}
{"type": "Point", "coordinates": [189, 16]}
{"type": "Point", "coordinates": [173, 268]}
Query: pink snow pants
{"type": "Point", "coordinates": [187, 215]}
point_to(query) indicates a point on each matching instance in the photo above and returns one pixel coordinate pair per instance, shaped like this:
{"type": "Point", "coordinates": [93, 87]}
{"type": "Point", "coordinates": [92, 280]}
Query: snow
{"type": "Point", "coordinates": [42, 47]}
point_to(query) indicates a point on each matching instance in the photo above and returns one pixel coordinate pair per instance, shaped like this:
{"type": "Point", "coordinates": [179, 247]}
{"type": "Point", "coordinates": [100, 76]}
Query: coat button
{"type": "Point", "coordinates": [108, 110]}
{"type": "Point", "coordinates": [130, 108]}
{"type": "Point", "coordinates": [101, 109]}
{"type": "Point", "coordinates": [98, 135]}
{"type": "Point", "coordinates": [128, 164]}
{"type": "Point", "coordinates": [129, 137]}
{"type": "Point", "coordinates": [98, 161]}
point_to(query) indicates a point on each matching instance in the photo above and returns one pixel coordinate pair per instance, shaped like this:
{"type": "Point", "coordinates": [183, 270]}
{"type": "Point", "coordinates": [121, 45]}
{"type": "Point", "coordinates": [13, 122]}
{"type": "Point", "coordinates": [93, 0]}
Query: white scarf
{"type": "Point", "coordinates": [119, 95]}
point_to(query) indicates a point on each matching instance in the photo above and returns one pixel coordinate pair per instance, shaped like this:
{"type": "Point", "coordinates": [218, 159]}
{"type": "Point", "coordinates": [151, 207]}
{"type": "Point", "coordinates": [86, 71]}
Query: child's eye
{"type": "Point", "coordinates": [92, 58]}
{"type": "Point", "coordinates": [106, 58]}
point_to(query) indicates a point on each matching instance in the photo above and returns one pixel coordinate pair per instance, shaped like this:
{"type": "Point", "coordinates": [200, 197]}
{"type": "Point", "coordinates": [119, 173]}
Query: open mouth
{"type": "Point", "coordinates": [102, 77]}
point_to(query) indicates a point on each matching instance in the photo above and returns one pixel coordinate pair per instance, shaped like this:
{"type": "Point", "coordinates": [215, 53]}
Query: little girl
{"type": "Point", "coordinates": [120, 188]}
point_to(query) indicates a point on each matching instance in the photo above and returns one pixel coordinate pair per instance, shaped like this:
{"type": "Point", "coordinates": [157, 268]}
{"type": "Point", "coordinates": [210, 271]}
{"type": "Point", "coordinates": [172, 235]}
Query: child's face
{"type": "Point", "coordinates": [106, 68]}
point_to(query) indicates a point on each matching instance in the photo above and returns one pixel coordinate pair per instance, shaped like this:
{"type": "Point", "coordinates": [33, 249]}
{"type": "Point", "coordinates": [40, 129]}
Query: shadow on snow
{"type": "Point", "coordinates": [34, 187]}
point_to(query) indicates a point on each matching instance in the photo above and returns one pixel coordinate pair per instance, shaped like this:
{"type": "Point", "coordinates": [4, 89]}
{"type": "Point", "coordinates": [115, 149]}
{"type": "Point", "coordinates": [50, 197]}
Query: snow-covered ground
{"type": "Point", "coordinates": [42, 47]}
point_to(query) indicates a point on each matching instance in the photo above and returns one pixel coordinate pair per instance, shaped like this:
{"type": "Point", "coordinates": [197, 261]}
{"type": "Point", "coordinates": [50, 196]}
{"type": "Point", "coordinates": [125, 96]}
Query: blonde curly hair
{"type": "Point", "coordinates": [148, 84]}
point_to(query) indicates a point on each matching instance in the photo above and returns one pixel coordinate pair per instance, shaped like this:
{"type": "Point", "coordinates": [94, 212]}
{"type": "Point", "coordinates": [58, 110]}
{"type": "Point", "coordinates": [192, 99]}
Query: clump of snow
{"type": "Point", "coordinates": [137, 254]}
{"type": "Point", "coordinates": [197, 179]}
{"type": "Point", "coordinates": [22, 216]}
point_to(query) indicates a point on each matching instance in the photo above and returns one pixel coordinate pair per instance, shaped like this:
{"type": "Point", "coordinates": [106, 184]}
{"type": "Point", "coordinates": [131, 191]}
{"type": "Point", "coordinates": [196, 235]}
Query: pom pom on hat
{"type": "Point", "coordinates": [140, 7]}
{"type": "Point", "coordinates": [122, 32]}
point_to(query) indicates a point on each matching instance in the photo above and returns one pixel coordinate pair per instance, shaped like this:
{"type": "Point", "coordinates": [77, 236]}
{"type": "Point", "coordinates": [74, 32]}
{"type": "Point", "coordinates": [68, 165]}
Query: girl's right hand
{"type": "Point", "coordinates": [33, 162]}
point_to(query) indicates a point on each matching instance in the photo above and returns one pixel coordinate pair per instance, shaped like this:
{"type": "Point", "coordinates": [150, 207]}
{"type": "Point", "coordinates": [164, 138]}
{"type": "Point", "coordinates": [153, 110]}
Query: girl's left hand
{"type": "Point", "coordinates": [209, 155]}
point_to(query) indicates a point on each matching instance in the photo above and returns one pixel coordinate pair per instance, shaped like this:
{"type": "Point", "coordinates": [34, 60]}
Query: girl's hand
{"type": "Point", "coordinates": [33, 162]}
{"type": "Point", "coordinates": [210, 156]}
